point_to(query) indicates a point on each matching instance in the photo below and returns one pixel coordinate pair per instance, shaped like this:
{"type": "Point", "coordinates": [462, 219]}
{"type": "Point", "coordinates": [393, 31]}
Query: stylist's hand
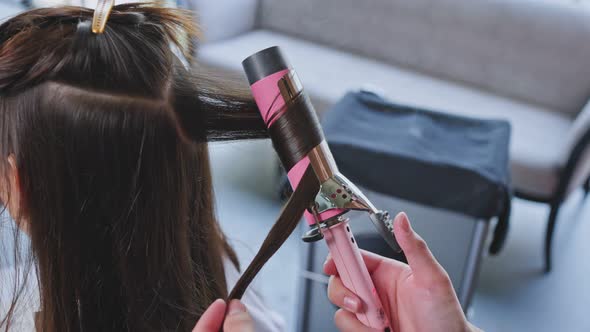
{"type": "Point", "coordinates": [236, 320]}
{"type": "Point", "coordinates": [418, 297]}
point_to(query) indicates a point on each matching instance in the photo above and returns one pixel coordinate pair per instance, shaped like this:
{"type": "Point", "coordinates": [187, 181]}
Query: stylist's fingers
{"type": "Point", "coordinates": [424, 266]}
{"type": "Point", "coordinates": [238, 319]}
{"type": "Point", "coordinates": [212, 318]}
{"type": "Point", "coordinates": [340, 296]}
{"type": "Point", "coordinates": [347, 322]}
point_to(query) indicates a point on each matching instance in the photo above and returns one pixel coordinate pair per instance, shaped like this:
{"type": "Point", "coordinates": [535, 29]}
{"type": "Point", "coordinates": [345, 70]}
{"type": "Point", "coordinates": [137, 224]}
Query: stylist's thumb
{"type": "Point", "coordinates": [424, 266]}
{"type": "Point", "coordinates": [238, 319]}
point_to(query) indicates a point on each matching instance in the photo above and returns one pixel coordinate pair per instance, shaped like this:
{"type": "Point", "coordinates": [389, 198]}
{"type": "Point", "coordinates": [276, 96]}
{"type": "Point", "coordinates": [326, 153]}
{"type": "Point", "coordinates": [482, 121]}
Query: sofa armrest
{"type": "Point", "coordinates": [577, 152]}
{"type": "Point", "coordinates": [222, 19]}
{"type": "Point", "coordinates": [579, 127]}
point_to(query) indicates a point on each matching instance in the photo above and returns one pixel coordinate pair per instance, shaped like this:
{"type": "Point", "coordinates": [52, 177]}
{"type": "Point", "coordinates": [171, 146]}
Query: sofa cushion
{"type": "Point", "coordinates": [537, 51]}
{"type": "Point", "coordinates": [221, 19]}
{"type": "Point", "coordinates": [538, 134]}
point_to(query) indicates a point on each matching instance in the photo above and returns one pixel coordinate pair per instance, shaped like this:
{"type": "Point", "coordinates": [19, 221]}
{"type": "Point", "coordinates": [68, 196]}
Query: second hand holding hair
{"type": "Point", "coordinates": [215, 318]}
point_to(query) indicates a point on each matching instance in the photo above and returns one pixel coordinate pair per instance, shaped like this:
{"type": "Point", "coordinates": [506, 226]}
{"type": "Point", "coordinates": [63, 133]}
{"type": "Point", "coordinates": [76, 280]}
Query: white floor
{"type": "Point", "coordinates": [513, 293]}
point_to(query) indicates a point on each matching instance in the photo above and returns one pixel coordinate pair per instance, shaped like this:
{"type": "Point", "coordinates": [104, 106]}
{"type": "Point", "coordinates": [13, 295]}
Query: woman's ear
{"type": "Point", "coordinates": [6, 180]}
{"type": "Point", "coordinates": [13, 194]}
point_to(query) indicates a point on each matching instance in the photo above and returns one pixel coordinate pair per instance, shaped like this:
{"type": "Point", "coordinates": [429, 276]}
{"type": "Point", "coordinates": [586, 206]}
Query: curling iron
{"type": "Point", "coordinates": [289, 115]}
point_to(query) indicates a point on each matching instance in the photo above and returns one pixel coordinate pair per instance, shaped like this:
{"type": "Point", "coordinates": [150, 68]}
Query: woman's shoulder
{"type": "Point", "coordinates": [23, 318]}
{"type": "Point", "coordinates": [265, 320]}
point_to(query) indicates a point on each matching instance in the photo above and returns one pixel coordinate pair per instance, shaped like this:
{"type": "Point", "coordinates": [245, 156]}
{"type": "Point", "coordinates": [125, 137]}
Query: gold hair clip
{"type": "Point", "coordinates": [101, 15]}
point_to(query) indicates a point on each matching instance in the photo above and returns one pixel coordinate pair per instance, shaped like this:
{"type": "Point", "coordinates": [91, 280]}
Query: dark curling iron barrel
{"type": "Point", "coordinates": [298, 138]}
{"type": "Point", "coordinates": [264, 63]}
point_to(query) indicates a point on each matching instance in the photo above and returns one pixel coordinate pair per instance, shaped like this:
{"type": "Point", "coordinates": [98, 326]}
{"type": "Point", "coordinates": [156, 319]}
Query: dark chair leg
{"type": "Point", "coordinates": [587, 187]}
{"type": "Point", "coordinates": [549, 234]}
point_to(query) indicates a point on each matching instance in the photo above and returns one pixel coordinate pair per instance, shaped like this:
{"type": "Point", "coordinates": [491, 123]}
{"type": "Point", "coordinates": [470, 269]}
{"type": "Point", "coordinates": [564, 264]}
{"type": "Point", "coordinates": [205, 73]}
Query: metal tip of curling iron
{"type": "Point", "coordinates": [384, 226]}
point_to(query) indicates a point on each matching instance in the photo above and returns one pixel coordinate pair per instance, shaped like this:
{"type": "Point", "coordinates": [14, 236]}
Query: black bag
{"type": "Point", "coordinates": [436, 159]}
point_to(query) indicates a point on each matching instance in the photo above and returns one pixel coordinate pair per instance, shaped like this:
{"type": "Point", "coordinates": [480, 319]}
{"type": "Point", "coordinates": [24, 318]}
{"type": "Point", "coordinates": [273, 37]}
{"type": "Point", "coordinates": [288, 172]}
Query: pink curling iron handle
{"type": "Point", "coordinates": [355, 276]}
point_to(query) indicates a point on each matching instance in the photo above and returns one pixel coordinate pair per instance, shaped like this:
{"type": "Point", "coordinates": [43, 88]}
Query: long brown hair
{"type": "Point", "coordinates": [109, 136]}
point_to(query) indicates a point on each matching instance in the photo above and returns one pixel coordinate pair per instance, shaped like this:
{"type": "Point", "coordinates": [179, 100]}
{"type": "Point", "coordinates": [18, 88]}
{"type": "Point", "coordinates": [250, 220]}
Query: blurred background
{"type": "Point", "coordinates": [522, 63]}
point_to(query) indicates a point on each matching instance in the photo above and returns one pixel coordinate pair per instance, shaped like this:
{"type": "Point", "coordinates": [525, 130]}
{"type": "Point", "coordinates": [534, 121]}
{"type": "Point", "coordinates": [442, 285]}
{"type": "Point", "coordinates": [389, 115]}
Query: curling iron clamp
{"type": "Point", "coordinates": [289, 116]}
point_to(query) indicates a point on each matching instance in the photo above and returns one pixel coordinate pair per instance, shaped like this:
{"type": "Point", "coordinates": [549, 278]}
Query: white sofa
{"type": "Point", "coordinates": [526, 61]}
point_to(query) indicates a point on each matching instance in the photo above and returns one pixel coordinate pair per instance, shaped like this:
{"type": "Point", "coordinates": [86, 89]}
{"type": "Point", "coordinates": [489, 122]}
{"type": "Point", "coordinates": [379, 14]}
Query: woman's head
{"type": "Point", "coordinates": [103, 160]}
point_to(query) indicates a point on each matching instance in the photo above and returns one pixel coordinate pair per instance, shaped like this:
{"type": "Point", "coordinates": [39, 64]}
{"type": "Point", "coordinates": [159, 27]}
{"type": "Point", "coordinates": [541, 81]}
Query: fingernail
{"type": "Point", "coordinates": [236, 307]}
{"type": "Point", "coordinates": [402, 218]}
{"type": "Point", "coordinates": [351, 304]}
